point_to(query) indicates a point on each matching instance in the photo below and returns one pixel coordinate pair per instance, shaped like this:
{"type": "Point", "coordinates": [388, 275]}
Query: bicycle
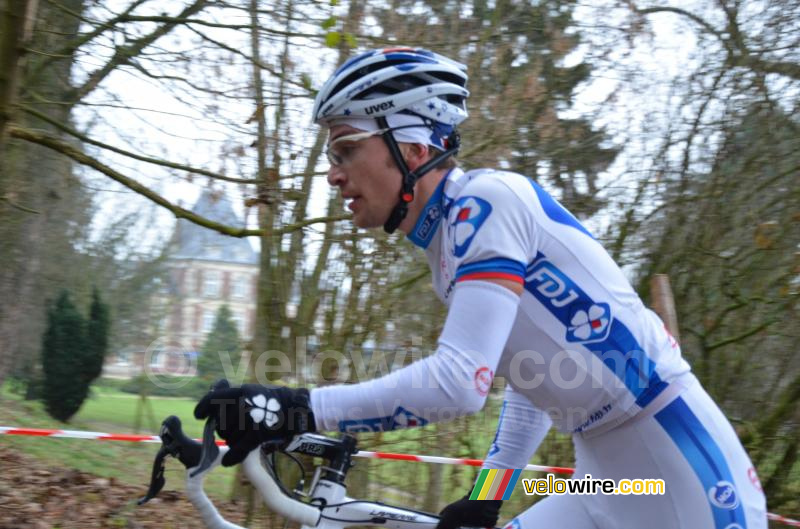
{"type": "Point", "coordinates": [324, 506]}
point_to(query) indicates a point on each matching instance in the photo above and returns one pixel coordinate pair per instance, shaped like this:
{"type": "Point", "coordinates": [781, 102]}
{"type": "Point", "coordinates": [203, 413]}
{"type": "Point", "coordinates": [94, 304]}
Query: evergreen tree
{"type": "Point", "coordinates": [73, 351]}
{"type": "Point", "coordinates": [96, 336]}
{"type": "Point", "coordinates": [521, 93]}
{"type": "Point", "coordinates": [221, 343]}
{"type": "Point", "coordinates": [64, 347]}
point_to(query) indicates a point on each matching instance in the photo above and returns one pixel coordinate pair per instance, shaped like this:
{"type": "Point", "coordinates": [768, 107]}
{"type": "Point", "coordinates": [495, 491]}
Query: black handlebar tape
{"type": "Point", "coordinates": [157, 480]}
{"type": "Point", "coordinates": [210, 450]}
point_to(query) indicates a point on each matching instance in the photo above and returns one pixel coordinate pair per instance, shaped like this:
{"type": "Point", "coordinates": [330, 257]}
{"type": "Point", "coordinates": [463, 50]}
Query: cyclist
{"type": "Point", "coordinates": [531, 296]}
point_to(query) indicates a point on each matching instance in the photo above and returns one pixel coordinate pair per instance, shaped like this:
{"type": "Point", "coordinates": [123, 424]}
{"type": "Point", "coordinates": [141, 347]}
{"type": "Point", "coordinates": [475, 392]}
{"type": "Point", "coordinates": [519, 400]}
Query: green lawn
{"type": "Point", "coordinates": [113, 408]}
{"type": "Point", "coordinates": [110, 411]}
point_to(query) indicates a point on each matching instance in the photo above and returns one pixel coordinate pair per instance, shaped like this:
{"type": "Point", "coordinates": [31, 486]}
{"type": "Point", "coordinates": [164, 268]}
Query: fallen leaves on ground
{"type": "Point", "coordinates": [34, 495]}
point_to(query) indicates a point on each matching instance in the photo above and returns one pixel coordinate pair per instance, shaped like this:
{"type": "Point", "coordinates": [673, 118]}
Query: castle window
{"type": "Point", "coordinates": [212, 282]}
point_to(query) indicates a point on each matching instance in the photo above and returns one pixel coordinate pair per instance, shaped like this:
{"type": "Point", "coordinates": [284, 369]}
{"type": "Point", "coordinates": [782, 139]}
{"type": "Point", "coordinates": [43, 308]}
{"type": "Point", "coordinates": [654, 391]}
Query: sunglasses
{"type": "Point", "coordinates": [340, 150]}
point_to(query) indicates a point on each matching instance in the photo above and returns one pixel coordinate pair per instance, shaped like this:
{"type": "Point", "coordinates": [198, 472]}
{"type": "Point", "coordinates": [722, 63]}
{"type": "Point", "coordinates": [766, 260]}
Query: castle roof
{"type": "Point", "coordinates": [191, 241]}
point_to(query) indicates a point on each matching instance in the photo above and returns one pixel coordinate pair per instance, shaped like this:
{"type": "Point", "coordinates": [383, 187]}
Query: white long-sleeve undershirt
{"type": "Point", "coordinates": [520, 430]}
{"type": "Point", "coordinates": [452, 382]}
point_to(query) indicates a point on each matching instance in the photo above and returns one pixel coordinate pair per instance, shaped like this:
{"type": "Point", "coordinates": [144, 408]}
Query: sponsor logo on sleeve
{"type": "Point", "coordinates": [753, 477]}
{"type": "Point", "coordinates": [401, 418]}
{"type": "Point", "coordinates": [723, 495]}
{"type": "Point", "coordinates": [483, 380]}
{"type": "Point", "coordinates": [466, 217]}
{"type": "Point", "coordinates": [429, 222]}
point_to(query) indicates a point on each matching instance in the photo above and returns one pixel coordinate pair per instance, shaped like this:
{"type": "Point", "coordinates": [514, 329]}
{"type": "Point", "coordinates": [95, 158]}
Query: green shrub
{"type": "Point", "coordinates": [73, 350]}
{"type": "Point", "coordinates": [187, 387]}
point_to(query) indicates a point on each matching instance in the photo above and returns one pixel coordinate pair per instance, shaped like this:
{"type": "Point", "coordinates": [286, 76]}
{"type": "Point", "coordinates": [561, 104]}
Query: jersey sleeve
{"type": "Point", "coordinates": [520, 430]}
{"type": "Point", "coordinates": [453, 381]}
{"type": "Point", "coordinates": [491, 234]}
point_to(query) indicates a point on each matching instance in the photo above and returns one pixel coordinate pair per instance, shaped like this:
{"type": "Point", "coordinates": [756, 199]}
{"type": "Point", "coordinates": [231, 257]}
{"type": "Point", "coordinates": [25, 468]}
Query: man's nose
{"type": "Point", "coordinates": [336, 176]}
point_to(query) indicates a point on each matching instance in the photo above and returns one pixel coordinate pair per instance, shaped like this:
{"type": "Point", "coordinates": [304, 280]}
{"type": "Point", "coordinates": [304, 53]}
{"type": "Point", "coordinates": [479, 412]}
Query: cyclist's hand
{"type": "Point", "coordinates": [252, 414]}
{"type": "Point", "coordinates": [470, 513]}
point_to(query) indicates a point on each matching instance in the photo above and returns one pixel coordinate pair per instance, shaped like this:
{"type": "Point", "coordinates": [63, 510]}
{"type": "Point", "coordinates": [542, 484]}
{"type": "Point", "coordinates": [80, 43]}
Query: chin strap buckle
{"type": "Point", "coordinates": [410, 178]}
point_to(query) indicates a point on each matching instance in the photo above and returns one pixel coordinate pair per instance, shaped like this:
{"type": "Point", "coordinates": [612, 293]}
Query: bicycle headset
{"type": "Point", "coordinates": [414, 81]}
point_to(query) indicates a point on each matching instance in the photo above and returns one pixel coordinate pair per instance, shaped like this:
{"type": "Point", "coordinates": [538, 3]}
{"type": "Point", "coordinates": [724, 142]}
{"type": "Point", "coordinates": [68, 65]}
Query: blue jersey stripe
{"type": "Point", "coordinates": [706, 459]}
{"type": "Point", "coordinates": [607, 338]}
{"type": "Point", "coordinates": [401, 418]}
{"type": "Point", "coordinates": [556, 211]}
{"type": "Point", "coordinates": [494, 448]}
{"type": "Point", "coordinates": [497, 264]}
{"type": "Point", "coordinates": [430, 218]}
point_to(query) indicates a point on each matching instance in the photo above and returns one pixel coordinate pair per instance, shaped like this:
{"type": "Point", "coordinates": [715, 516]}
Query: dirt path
{"type": "Point", "coordinates": [34, 495]}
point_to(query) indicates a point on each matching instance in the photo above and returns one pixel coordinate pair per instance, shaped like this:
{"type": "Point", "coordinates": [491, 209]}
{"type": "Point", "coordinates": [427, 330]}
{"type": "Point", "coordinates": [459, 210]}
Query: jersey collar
{"type": "Point", "coordinates": [432, 213]}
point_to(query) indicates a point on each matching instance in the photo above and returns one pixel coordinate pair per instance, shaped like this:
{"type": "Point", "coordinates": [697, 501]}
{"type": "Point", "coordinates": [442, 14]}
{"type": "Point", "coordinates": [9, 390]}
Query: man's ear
{"type": "Point", "coordinates": [415, 154]}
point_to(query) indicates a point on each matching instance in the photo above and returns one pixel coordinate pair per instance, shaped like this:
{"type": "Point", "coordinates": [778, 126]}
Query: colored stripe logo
{"type": "Point", "coordinates": [495, 484]}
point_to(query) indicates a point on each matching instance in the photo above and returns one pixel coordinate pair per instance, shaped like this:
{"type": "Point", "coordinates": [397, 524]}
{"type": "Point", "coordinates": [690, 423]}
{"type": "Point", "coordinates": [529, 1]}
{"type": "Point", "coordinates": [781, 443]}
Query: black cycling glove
{"type": "Point", "coordinates": [470, 513]}
{"type": "Point", "coordinates": [253, 414]}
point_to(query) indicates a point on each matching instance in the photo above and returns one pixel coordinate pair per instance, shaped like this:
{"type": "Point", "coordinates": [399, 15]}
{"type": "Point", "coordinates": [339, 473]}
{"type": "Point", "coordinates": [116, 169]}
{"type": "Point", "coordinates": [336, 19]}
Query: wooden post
{"type": "Point", "coordinates": [664, 303]}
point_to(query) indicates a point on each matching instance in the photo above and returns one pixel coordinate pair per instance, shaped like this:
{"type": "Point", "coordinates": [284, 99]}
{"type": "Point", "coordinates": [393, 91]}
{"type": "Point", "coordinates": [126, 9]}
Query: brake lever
{"type": "Point", "coordinates": [157, 480]}
{"type": "Point", "coordinates": [210, 449]}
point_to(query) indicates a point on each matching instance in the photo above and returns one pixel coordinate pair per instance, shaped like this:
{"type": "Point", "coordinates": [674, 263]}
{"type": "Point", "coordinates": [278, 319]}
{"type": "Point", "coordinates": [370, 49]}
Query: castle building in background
{"type": "Point", "coordinates": [206, 270]}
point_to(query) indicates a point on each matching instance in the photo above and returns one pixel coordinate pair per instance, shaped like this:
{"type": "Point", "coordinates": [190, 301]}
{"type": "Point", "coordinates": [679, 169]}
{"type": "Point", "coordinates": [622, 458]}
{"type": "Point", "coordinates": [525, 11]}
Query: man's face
{"type": "Point", "coordinates": [367, 177]}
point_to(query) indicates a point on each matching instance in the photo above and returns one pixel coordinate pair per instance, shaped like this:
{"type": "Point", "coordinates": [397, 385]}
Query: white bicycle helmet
{"type": "Point", "coordinates": [414, 81]}
{"type": "Point", "coordinates": [387, 81]}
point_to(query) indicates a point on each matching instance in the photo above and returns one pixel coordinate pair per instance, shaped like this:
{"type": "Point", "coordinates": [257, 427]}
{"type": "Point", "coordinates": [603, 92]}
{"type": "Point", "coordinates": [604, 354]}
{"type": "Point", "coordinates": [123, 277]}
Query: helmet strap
{"type": "Point", "coordinates": [410, 178]}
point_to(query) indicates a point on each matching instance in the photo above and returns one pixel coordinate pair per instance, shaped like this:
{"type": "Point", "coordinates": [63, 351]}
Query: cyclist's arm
{"type": "Point", "coordinates": [520, 430]}
{"type": "Point", "coordinates": [452, 382]}
{"type": "Point", "coordinates": [491, 236]}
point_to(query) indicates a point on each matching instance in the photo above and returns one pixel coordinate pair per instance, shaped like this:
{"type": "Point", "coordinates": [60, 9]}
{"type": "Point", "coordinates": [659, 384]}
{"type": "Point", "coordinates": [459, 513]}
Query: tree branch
{"type": "Point", "coordinates": [70, 48]}
{"type": "Point", "coordinates": [254, 60]}
{"type": "Point", "coordinates": [123, 53]}
{"type": "Point", "coordinates": [156, 161]}
{"type": "Point", "coordinates": [735, 45]}
{"type": "Point", "coordinates": [691, 16]}
{"type": "Point", "coordinates": [742, 336]}
{"type": "Point", "coordinates": [139, 66]}
{"type": "Point", "coordinates": [181, 20]}
{"type": "Point", "coordinates": [84, 159]}
{"type": "Point", "coordinates": [308, 222]}
{"type": "Point", "coordinates": [6, 198]}
{"type": "Point", "coordinates": [789, 69]}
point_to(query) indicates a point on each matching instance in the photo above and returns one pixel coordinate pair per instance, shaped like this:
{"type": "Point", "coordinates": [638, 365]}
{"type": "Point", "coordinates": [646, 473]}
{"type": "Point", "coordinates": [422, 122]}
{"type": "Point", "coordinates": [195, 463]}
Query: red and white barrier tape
{"type": "Point", "coordinates": [100, 436]}
{"type": "Point", "coordinates": [453, 461]}
{"type": "Point", "coordinates": [80, 434]}
{"type": "Point", "coordinates": [785, 521]}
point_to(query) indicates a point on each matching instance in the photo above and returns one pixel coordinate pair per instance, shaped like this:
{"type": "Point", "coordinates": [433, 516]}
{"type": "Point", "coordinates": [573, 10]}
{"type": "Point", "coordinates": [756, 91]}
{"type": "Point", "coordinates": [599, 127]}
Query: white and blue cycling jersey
{"type": "Point", "coordinates": [583, 347]}
{"type": "Point", "coordinates": [577, 349]}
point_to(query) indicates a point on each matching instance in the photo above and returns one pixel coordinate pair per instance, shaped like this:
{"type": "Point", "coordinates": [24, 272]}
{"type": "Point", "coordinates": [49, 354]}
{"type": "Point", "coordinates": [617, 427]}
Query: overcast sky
{"type": "Point", "coordinates": [166, 125]}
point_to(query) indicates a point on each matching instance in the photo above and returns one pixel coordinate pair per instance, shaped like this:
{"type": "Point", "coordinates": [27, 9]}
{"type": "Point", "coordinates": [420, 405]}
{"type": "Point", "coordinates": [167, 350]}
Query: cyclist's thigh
{"type": "Point", "coordinates": [555, 512]}
{"type": "Point", "coordinates": [691, 446]}
{"type": "Point", "coordinates": [746, 485]}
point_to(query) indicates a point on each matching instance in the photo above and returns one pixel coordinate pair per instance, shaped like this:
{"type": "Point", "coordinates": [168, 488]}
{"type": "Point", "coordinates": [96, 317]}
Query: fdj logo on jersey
{"type": "Point", "coordinates": [586, 320]}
